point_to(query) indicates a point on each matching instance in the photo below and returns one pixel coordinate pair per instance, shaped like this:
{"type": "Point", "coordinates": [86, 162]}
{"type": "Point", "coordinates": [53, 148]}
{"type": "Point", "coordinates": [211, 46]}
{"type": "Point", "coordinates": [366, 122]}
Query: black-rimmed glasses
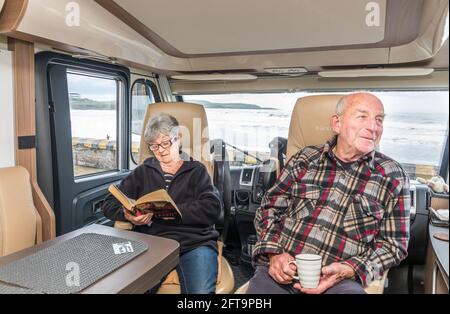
{"type": "Point", "coordinates": [165, 145]}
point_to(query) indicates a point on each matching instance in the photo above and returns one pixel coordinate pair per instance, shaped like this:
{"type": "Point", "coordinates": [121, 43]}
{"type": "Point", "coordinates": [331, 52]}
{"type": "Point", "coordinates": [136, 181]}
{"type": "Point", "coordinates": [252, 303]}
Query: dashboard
{"type": "Point", "coordinates": [249, 188]}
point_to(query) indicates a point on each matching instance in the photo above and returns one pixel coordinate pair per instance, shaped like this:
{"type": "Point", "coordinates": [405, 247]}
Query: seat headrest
{"type": "Point", "coordinates": [193, 125]}
{"type": "Point", "coordinates": [310, 122]}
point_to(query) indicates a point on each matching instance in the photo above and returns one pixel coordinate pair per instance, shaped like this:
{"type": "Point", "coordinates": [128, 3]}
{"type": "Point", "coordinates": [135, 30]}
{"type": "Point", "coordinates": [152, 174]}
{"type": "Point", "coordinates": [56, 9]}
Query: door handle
{"type": "Point", "coordinates": [96, 207]}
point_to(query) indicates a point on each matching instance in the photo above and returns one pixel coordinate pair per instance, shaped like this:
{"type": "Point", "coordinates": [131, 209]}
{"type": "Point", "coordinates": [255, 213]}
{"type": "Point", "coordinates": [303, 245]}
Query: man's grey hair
{"type": "Point", "coordinates": [340, 107]}
{"type": "Point", "coordinates": [162, 123]}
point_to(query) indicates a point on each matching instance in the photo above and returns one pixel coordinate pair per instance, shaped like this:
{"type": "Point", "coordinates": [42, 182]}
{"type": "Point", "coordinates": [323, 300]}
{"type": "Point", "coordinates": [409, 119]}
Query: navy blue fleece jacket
{"type": "Point", "coordinates": [192, 191]}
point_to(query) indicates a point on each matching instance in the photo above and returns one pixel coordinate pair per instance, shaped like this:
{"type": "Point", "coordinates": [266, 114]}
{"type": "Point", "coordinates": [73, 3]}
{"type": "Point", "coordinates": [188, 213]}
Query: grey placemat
{"type": "Point", "coordinates": [8, 289]}
{"type": "Point", "coordinates": [72, 265]}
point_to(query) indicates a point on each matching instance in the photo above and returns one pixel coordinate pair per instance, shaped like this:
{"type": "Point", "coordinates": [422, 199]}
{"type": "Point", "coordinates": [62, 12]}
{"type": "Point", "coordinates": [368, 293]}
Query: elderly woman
{"type": "Point", "coordinates": [189, 185]}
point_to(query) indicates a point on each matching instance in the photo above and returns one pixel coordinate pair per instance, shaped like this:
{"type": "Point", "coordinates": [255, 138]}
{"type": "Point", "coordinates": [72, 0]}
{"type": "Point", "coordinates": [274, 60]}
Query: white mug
{"type": "Point", "coordinates": [309, 269]}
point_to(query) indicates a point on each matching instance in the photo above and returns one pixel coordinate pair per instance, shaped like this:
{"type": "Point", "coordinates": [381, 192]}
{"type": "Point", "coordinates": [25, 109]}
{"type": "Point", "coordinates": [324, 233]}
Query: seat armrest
{"type": "Point", "coordinates": [377, 286]}
{"type": "Point", "coordinates": [225, 277]}
{"type": "Point", "coordinates": [123, 225]}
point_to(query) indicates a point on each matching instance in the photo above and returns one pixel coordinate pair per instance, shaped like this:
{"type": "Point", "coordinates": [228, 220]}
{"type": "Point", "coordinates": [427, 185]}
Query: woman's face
{"type": "Point", "coordinates": [168, 148]}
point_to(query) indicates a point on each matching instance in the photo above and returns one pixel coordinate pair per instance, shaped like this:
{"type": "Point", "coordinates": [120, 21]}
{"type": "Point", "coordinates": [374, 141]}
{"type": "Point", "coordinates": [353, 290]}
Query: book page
{"type": "Point", "coordinates": [127, 202]}
{"type": "Point", "coordinates": [158, 197]}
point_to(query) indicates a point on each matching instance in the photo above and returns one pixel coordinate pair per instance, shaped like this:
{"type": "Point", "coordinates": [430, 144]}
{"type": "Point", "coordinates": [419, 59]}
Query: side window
{"type": "Point", "coordinates": [143, 93]}
{"type": "Point", "coordinates": [94, 118]}
{"type": "Point", "coordinates": [415, 130]}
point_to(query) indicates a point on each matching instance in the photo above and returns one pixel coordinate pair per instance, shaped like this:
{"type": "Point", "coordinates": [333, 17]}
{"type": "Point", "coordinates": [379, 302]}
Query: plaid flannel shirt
{"type": "Point", "coordinates": [358, 216]}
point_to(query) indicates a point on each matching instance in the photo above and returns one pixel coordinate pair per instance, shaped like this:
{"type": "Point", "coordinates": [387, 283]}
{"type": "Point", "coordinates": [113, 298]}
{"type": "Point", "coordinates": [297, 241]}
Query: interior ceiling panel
{"type": "Point", "coordinates": [233, 26]}
{"type": "Point", "coordinates": [132, 32]}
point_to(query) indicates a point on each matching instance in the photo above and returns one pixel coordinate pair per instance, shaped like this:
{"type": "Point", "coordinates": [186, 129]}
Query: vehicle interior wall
{"type": "Point", "coordinates": [7, 132]}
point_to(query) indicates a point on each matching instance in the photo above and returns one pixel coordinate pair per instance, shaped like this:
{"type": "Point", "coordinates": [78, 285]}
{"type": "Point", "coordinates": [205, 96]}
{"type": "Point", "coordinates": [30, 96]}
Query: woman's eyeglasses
{"type": "Point", "coordinates": [165, 145]}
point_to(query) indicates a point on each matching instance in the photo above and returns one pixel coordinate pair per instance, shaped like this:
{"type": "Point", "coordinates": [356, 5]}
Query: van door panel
{"type": "Point", "coordinates": [75, 200]}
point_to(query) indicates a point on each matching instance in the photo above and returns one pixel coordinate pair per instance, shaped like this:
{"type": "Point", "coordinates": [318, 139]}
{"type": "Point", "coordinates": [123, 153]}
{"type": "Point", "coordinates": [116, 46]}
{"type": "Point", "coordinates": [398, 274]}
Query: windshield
{"type": "Point", "coordinates": [415, 127]}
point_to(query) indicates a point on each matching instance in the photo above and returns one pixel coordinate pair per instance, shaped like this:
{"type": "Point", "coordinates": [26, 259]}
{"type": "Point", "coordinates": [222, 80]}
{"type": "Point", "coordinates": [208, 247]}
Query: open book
{"type": "Point", "coordinates": [159, 203]}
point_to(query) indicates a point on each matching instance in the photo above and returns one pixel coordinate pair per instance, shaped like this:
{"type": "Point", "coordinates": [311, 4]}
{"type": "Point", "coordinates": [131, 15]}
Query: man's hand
{"type": "Point", "coordinates": [331, 275]}
{"type": "Point", "coordinates": [280, 269]}
{"type": "Point", "coordinates": [138, 221]}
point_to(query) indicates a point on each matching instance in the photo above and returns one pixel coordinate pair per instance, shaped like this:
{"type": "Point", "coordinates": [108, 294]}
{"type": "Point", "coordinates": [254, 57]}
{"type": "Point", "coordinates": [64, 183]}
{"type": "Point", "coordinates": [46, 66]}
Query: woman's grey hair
{"type": "Point", "coordinates": [161, 123]}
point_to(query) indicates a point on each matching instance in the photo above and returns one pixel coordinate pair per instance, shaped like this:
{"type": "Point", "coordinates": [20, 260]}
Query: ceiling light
{"type": "Point", "coordinates": [394, 72]}
{"type": "Point", "coordinates": [215, 77]}
{"type": "Point", "coordinates": [95, 58]}
{"type": "Point", "coordinates": [287, 71]}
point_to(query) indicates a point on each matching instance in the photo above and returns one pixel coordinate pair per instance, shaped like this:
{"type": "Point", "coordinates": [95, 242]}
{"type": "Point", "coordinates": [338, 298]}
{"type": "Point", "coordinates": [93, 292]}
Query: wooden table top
{"type": "Point", "coordinates": [137, 276]}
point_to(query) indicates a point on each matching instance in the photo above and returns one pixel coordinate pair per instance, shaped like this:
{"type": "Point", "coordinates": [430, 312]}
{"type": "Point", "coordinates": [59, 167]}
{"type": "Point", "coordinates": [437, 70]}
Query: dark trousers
{"type": "Point", "coordinates": [262, 283]}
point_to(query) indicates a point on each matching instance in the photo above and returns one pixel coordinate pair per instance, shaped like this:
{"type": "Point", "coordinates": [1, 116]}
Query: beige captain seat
{"type": "Point", "coordinates": [310, 122]}
{"type": "Point", "coordinates": [192, 118]}
{"type": "Point", "coordinates": [311, 125]}
{"type": "Point", "coordinates": [20, 224]}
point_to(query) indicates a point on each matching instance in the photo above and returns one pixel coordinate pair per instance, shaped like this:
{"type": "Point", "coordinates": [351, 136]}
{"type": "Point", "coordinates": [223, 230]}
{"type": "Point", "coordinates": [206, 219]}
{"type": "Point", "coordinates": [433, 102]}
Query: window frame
{"type": "Point", "coordinates": [75, 201]}
{"type": "Point", "coordinates": [151, 89]}
{"type": "Point", "coordinates": [444, 167]}
{"type": "Point", "coordinates": [120, 99]}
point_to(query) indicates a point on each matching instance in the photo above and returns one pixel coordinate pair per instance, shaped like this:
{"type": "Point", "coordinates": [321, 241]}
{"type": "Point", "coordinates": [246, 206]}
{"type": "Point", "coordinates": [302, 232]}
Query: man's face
{"type": "Point", "coordinates": [361, 125]}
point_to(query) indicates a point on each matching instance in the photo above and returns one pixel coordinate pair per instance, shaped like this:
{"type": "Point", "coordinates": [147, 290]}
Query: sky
{"type": "Point", "coordinates": [100, 89]}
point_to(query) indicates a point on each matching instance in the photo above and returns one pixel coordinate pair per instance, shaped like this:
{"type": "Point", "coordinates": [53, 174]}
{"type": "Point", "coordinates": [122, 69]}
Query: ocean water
{"type": "Point", "coordinates": [415, 138]}
{"type": "Point", "coordinates": [408, 138]}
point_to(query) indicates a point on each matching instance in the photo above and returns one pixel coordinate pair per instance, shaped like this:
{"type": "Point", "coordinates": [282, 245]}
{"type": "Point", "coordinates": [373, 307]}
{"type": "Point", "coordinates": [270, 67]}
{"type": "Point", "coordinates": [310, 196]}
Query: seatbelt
{"type": "Point", "coordinates": [278, 146]}
{"type": "Point", "coordinates": [219, 150]}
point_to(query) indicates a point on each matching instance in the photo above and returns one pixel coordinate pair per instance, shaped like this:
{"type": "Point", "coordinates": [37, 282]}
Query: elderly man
{"type": "Point", "coordinates": [343, 201]}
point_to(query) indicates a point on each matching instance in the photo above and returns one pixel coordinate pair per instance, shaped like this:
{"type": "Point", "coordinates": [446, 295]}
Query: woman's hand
{"type": "Point", "coordinates": [140, 220]}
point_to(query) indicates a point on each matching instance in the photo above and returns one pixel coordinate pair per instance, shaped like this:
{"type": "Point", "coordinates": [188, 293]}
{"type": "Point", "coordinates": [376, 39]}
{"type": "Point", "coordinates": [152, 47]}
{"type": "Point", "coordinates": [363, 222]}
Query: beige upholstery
{"type": "Point", "coordinates": [20, 224]}
{"type": "Point", "coordinates": [310, 122]}
{"type": "Point", "coordinates": [195, 142]}
{"type": "Point", "coordinates": [225, 277]}
{"type": "Point", "coordinates": [123, 225]}
{"type": "Point", "coordinates": [377, 287]}
{"type": "Point", "coordinates": [242, 289]}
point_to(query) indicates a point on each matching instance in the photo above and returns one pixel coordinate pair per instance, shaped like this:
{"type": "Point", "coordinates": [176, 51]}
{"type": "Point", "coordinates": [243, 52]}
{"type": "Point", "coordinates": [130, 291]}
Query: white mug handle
{"type": "Point", "coordinates": [293, 262]}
